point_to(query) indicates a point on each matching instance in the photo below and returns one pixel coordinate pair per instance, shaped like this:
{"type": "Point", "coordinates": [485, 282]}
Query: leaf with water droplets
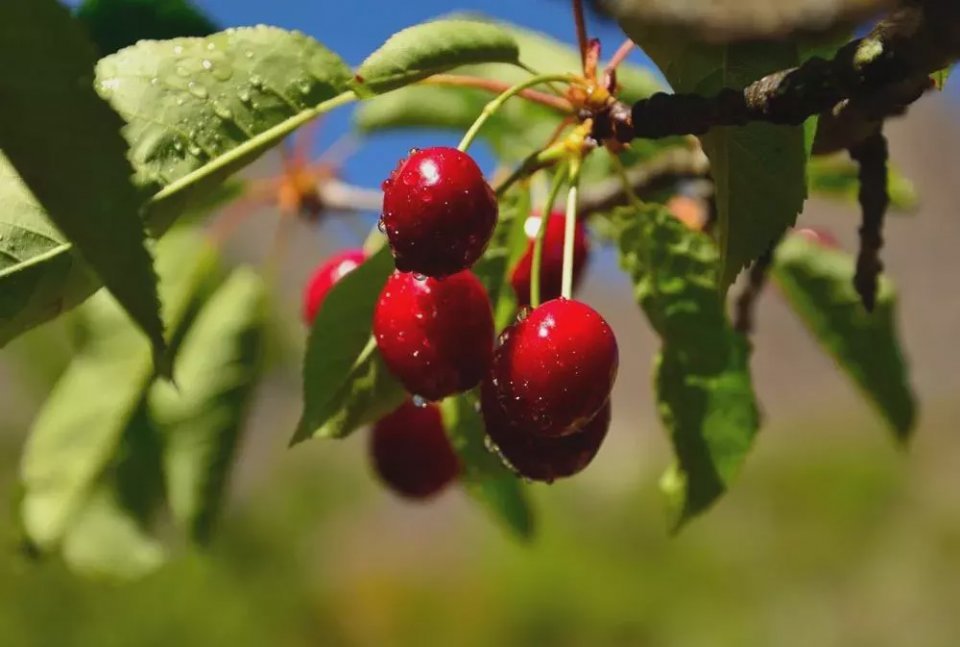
{"type": "Point", "coordinates": [236, 106]}
{"type": "Point", "coordinates": [65, 145]}
{"type": "Point", "coordinates": [431, 48]}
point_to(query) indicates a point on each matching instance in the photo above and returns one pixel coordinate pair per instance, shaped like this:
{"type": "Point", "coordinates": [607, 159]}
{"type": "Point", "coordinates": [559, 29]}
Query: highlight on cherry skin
{"type": "Point", "coordinates": [551, 260]}
{"type": "Point", "coordinates": [435, 335]}
{"type": "Point", "coordinates": [538, 458]}
{"type": "Point", "coordinates": [555, 369]}
{"type": "Point", "coordinates": [410, 451]}
{"type": "Point", "coordinates": [325, 276]}
{"type": "Point", "coordinates": [438, 212]}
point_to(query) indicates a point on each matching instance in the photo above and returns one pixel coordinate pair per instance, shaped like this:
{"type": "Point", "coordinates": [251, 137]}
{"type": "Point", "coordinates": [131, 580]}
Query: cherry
{"type": "Point", "coordinates": [538, 458]}
{"type": "Point", "coordinates": [435, 335]}
{"type": "Point", "coordinates": [551, 261]}
{"type": "Point", "coordinates": [324, 278]}
{"type": "Point", "coordinates": [555, 369]}
{"type": "Point", "coordinates": [438, 212]}
{"type": "Point", "coordinates": [411, 453]}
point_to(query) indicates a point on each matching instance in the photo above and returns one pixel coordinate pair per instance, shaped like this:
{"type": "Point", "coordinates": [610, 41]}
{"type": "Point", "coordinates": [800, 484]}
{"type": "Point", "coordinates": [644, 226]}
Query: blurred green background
{"type": "Point", "coordinates": [831, 536]}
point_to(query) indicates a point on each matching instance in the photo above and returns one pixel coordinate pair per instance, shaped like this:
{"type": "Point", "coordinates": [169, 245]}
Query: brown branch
{"type": "Point", "coordinates": [743, 321]}
{"type": "Point", "coordinates": [871, 154]}
{"type": "Point", "coordinates": [877, 75]}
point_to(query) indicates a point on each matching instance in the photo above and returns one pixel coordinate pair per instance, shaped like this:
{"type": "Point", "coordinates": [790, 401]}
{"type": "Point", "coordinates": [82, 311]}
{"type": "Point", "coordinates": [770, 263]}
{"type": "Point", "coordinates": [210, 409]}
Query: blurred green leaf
{"type": "Point", "coordinates": [430, 48]}
{"type": "Point", "coordinates": [65, 144]}
{"type": "Point", "coordinates": [758, 169]}
{"type": "Point", "coordinates": [115, 24]}
{"type": "Point", "coordinates": [507, 245]}
{"type": "Point", "coordinates": [241, 91]}
{"type": "Point", "coordinates": [345, 384]}
{"type": "Point", "coordinates": [837, 176]}
{"type": "Point", "coordinates": [940, 77]}
{"type": "Point", "coordinates": [77, 432]}
{"type": "Point", "coordinates": [109, 535]}
{"type": "Point", "coordinates": [201, 417]}
{"type": "Point", "coordinates": [704, 391]}
{"type": "Point", "coordinates": [818, 283]}
{"type": "Point", "coordinates": [484, 476]}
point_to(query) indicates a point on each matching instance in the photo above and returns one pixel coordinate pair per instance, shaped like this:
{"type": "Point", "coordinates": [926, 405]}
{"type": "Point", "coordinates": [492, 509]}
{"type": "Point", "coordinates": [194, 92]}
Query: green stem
{"type": "Point", "coordinates": [541, 234]}
{"type": "Point", "coordinates": [632, 196]}
{"type": "Point", "coordinates": [491, 108]}
{"type": "Point", "coordinates": [570, 229]}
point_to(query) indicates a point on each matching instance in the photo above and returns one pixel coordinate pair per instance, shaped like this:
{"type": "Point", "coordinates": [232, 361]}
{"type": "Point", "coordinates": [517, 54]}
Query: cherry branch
{"type": "Point", "coordinates": [871, 154]}
{"type": "Point", "coordinates": [868, 79]}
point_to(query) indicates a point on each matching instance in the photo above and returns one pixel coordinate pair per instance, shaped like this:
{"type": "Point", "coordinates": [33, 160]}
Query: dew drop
{"type": "Point", "coordinates": [523, 313]}
{"type": "Point", "coordinates": [382, 226]}
{"type": "Point", "coordinates": [197, 90]}
{"type": "Point", "coordinates": [419, 401]}
{"type": "Point", "coordinates": [256, 81]}
{"type": "Point", "coordinates": [244, 95]}
{"type": "Point", "coordinates": [182, 70]}
{"type": "Point", "coordinates": [248, 54]}
{"type": "Point", "coordinates": [207, 64]}
{"type": "Point", "coordinates": [178, 146]}
{"type": "Point", "coordinates": [222, 111]}
{"type": "Point", "coordinates": [181, 101]}
{"type": "Point", "coordinates": [155, 81]}
{"type": "Point", "coordinates": [178, 50]}
{"type": "Point", "coordinates": [413, 151]}
{"type": "Point", "coordinates": [304, 86]}
{"type": "Point", "coordinates": [419, 277]}
{"type": "Point", "coordinates": [211, 47]}
{"type": "Point", "coordinates": [194, 150]}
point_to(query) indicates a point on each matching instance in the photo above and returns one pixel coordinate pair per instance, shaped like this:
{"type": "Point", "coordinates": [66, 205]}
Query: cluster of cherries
{"type": "Point", "coordinates": [545, 382]}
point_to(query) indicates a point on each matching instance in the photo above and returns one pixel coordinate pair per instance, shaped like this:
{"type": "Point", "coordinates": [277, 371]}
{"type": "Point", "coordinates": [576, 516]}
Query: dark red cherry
{"type": "Point", "coordinates": [411, 452]}
{"type": "Point", "coordinates": [325, 276]}
{"type": "Point", "coordinates": [551, 262]}
{"type": "Point", "coordinates": [438, 212]}
{"type": "Point", "coordinates": [435, 335]}
{"type": "Point", "coordinates": [539, 458]}
{"type": "Point", "coordinates": [555, 369]}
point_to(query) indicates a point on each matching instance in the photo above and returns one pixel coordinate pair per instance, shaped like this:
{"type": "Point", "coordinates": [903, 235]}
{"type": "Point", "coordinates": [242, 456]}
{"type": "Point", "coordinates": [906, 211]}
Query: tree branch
{"type": "Point", "coordinates": [871, 154]}
{"type": "Point", "coordinates": [868, 79]}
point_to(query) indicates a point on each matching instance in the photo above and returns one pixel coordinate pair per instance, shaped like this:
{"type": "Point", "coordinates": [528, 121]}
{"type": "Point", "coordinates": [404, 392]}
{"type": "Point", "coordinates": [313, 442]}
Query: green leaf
{"type": "Point", "coordinates": [76, 434]}
{"type": "Point", "coordinates": [818, 283]}
{"type": "Point", "coordinates": [345, 384]}
{"type": "Point", "coordinates": [65, 144]}
{"type": "Point", "coordinates": [506, 246]}
{"type": "Point", "coordinates": [109, 535]}
{"type": "Point", "coordinates": [115, 24]}
{"type": "Point", "coordinates": [837, 176]}
{"type": "Point", "coordinates": [940, 77]}
{"type": "Point", "coordinates": [758, 169]}
{"type": "Point", "coordinates": [199, 109]}
{"type": "Point", "coordinates": [704, 390]}
{"type": "Point", "coordinates": [430, 48]}
{"type": "Point", "coordinates": [202, 416]}
{"type": "Point", "coordinates": [484, 475]}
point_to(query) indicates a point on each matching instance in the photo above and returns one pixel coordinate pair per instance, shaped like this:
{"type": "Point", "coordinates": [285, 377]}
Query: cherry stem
{"type": "Point", "coordinates": [632, 196]}
{"type": "Point", "coordinates": [545, 215]}
{"type": "Point", "coordinates": [463, 81]}
{"type": "Point", "coordinates": [581, 24]}
{"type": "Point", "coordinates": [570, 228]}
{"type": "Point", "coordinates": [491, 108]}
{"type": "Point", "coordinates": [619, 56]}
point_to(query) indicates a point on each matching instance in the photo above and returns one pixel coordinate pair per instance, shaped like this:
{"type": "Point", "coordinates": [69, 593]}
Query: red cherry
{"type": "Point", "coordinates": [438, 212]}
{"type": "Point", "coordinates": [411, 452]}
{"type": "Point", "coordinates": [324, 278]}
{"type": "Point", "coordinates": [555, 369]}
{"type": "Point", "coordinates": [551, 263]}
{"type": "Point", "coordinates": [435, 335]}
{"type": "Point", "coordinates": [539, 458]}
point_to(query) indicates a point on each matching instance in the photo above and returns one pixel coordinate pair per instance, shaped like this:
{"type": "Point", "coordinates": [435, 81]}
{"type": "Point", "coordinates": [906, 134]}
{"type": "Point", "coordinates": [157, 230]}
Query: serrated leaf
{"type": "Point", "coordinates": [202, 416]}
{"type": "Point", "coordinates": [837, 176]}
{"type": "Point", "coordinates": [115, 24]}
{"type": "Point", "coordinates": [704, 390]}
{"type": "Point", "coordinates": [199, 109]}
{"type": "Point", "coordinates": [345, 384]}
{"type": "Point", "coordinates": [505, 249]}
{"type": "Point", "coordinates": [65, 145]}
{"type": "Point", "coordinates": [758, 169]}
{"type": "Point", "coordinates": [484, 475]}
{"type": "Point", "coordinates": [80, 426]}
{"type": "Point", "coordinates": [818, 283]}
{"type": "Point", "coordinates": [430, 48]}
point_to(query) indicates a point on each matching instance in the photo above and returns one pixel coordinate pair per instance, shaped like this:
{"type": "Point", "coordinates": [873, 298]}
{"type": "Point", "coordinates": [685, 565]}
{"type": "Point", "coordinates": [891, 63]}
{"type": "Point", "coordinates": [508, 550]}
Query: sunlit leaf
{"type": "Point", "coordinates": [818, 283]}
{"type": "Point", "coordinates": [704, 391]}
{"type": "Point", "coordinates": [79, 429]}
{"type": "Point", "coordinates": [484, 475]}
{"type": "Point", "coordinates": [430, 48]}
{"type": "Point", "coordinates": [201, 417]}
{"type": "Point", "coordinates": [837, 176]}
{"type": "Point", "coordinates": [345, 384]}
{"type": "Point", "coordinates": [65, 145]}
